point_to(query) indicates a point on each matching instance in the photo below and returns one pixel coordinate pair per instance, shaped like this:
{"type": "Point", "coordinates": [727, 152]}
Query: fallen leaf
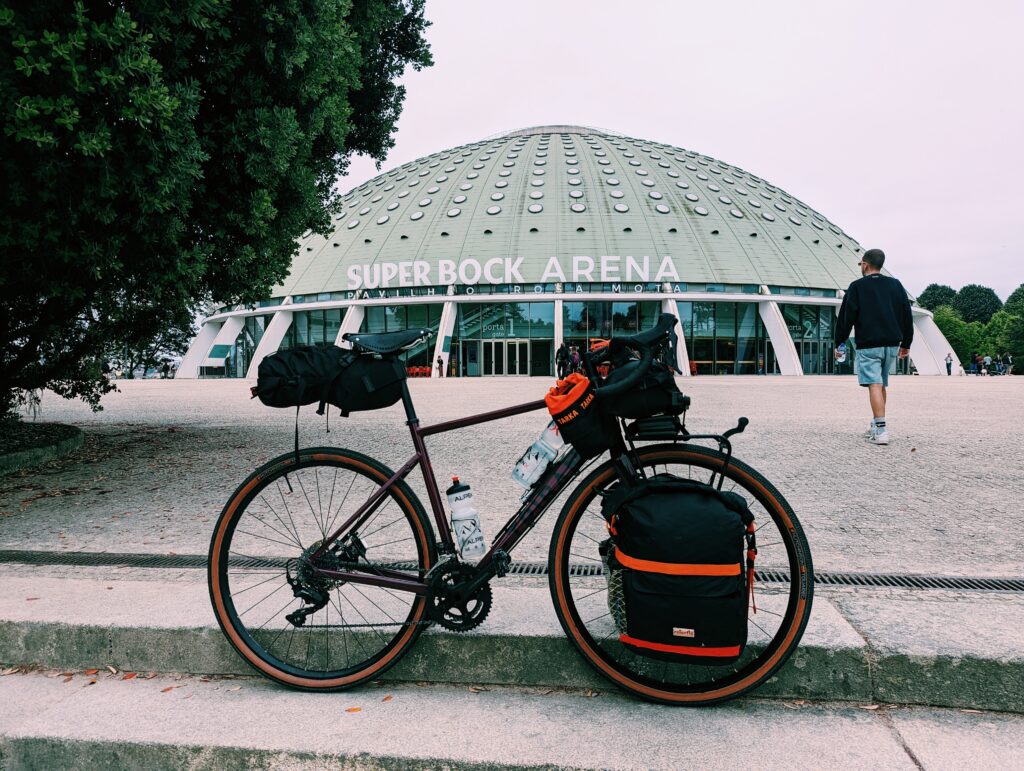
{"type": "Point", "coordinates": [913, 449]}
{"type": "Point", "coordinates": [591, 693]}
{"type": "Point", "coordinates": [169, 688]}
{"type": "Point", "coordinates": [477, 689]}
{"type": "Point", "coordinates": [91, 682]}
{"type": "Point", "coordinates": [387, 698]}
{"type": "Point", "coordinates": [91, 671]}
{"type": "Point", "coordinates": [9, 671]}
{"type": "Point", "coordinates": [151, 675]}
{"type": "Point", "coordinates": [548, 692]}
{"type": "Point", "coordinates": [787, 705]}
{"type": "Point", "coordinates": [354, 709]}
{"type": "Point", "coordinates": [29, 599]}
{"type": "Point", "coordinates": [868, 706]}
{"type": "Point", "coordinates": [111, 669]}
{"type": "Point", "coordinates": [129, 676]}
{"type": "Point", "coordinates": [236, 688]}
{"type": "Point", "coordinates": [68, 679]}
{"type": "Point", "coordinates": [972, 711]}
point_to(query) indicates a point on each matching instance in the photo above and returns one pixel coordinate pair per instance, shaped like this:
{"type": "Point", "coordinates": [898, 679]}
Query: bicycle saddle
{"type": "Point", "coordinates": [386, 342]}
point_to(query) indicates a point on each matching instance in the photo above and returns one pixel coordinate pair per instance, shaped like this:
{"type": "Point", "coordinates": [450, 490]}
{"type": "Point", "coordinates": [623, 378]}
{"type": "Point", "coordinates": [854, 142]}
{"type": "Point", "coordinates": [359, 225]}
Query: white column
{"type": "Point", "coordinates": [782, 342]}
{"type": "Point", "coordinates": [559, 325]}
{"type": "Point", "coordinates": [197, 350]}
{"type": "Point", "coordinates": [443, 346]}
{"type": "Point", "coordinates": [271, 340]}
{"type": "Point", "coordinates": [354, 315]}
{"type": "Point", "coordinates": [682, 355]}
{"type": "Point", "coordinates": [930, 347]}
{"type": "Point", "coordinates": [226, 336]}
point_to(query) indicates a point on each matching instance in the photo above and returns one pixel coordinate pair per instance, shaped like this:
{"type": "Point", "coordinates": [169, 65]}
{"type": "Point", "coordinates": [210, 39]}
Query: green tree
{"type": "Point", "coordinates": [170, 343]}
{"type": "Point", "coordinates": [966, 339]}
{"type": "Point", "coordinates": [156, 155]}
{"type": "Point", "coordinates": [994, 339]}
{"type": "Point", "coordinates": [976, 303]}
{"type": "Point", "coordinates": [1014, 336]}
{"type": "Point", "coordinates": [1015, 302]}
{"type": "Point", "coordinates": [935, 295]}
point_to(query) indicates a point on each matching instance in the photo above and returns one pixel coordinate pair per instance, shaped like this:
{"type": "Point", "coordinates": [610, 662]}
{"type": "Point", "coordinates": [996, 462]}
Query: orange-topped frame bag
{"type": "Point", "coordinates": [579, 417]}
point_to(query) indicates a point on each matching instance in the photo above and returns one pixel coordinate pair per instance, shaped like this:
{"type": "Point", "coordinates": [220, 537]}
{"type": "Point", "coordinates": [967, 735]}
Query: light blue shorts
{"type": "Point", "coordinates": [874, 364]}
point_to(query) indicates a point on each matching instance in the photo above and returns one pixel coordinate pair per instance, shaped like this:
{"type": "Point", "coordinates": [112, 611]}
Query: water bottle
{"type": "Point", "coordinates": [530, 467]}
{"type": "Point", "coordinates": [841, 353]}
{"type": "Point", "coordinates": [469, 540]}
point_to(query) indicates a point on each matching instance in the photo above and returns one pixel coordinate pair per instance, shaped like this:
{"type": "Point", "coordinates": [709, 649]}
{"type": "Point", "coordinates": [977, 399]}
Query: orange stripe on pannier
{"type": "Point", "coordinates": [676, 568]}
{"type": "Point", "coordinates": [683, 650]}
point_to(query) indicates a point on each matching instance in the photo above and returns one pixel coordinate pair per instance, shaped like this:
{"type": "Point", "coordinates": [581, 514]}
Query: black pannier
{"type": "Point", "coordinates": [655, 394]}
{"type": "Point", "coordinates": [329, 375]}
{"type": "Point", "coordinates": [679, 566]}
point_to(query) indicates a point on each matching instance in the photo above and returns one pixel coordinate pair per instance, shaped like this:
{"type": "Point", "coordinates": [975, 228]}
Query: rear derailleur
{"type": "Point", "coordinates": [309, 585]}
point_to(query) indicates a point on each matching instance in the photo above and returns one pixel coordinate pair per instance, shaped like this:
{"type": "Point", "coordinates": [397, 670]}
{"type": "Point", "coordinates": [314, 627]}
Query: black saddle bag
{"type": "Point", "coordinates": [329, 375]}
{"type": "Point", "coordinates": [677, 563]}
{"type": "Point", "coordinates": [579, 417]}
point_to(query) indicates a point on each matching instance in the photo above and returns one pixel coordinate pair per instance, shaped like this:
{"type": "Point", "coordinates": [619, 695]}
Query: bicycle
{"type": "Point", "coordinates": [324, 567]}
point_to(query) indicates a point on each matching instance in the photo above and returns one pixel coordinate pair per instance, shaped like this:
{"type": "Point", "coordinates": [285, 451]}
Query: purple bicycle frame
{"type": "Point", "coordinates": [509, 535]}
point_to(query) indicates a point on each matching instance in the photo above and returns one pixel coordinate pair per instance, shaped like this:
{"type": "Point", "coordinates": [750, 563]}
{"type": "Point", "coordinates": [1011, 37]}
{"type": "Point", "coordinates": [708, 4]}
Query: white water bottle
{"type": "Point", "coordinates": [465, 520]}
{"type": "Point", "coordinates": [531, 466]}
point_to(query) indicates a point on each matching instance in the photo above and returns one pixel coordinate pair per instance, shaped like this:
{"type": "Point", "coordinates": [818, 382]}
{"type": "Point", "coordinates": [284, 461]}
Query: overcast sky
{"type": "Point", "coordinates": [902, 122]}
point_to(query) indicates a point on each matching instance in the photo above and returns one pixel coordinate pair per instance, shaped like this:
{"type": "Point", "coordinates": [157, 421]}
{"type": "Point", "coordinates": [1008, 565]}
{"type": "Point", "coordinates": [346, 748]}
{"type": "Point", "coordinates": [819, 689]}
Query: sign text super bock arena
{"type": "Point", "coordinates": [507, 270]}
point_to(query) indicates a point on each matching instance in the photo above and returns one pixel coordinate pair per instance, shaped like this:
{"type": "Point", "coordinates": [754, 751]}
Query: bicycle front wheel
{"type": "Point", "coordinates": [258, 577]}
{"type": "Point", "coordinates": [783, 591]}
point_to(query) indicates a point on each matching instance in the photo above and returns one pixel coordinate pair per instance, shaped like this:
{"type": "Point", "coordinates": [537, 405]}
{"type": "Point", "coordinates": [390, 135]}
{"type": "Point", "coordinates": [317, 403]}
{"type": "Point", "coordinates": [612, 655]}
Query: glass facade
{"type": "Point", "coordinates": [585, 322]}
{"type": "Point", "coordinates": [503, 339]}
{"type": "Point", "coordinates": [240, 356]}
{"type": "Point", "coordinates": [315, 327]}
{"type": "Point", "coordinates": [726, 338]}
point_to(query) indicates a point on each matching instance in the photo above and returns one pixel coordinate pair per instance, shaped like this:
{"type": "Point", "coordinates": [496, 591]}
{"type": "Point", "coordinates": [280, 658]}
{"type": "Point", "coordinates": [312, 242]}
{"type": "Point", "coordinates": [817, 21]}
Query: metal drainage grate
{"type": "Point", "coordinates": [178, 561]}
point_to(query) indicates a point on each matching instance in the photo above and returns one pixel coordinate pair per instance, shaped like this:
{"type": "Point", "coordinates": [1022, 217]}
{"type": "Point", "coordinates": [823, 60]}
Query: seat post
{"type": "Point", "coordinates": [410, 410]}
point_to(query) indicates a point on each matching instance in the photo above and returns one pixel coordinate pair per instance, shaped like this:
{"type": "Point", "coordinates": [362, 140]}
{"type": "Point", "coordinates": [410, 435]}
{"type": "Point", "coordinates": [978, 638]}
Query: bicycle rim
{"type": "Point", "coordinates": [783, 591]}
{"type": "Point", "coordinates": [282, 511]}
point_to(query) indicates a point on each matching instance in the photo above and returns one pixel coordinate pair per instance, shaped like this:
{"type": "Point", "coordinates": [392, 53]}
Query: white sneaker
{"type": "Point", "coordinates": [879, 436]}
{"type": "Point", "coordinates": [870, 431]}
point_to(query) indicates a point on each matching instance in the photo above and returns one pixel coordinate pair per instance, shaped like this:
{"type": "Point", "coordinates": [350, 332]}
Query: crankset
{"type": "Point", "coordinates": [451, 605]}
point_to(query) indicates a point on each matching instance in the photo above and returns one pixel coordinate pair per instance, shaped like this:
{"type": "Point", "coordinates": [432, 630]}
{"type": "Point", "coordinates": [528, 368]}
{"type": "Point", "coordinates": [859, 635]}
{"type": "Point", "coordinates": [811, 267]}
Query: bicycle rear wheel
{"type": "Point", "coordinates": [282, 512]}
{"type": "Point", "coordinates": [783, 591]}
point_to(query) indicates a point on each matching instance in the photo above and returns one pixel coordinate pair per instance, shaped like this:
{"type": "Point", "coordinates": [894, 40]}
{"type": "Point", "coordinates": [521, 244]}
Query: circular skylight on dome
{"type": "Point", "coordinates": [692, 197]}
{"type": "Point", "coordinates": [466, 186]}
{"type": "Point", "coordinates": [701, 211]}
{"type": "Point", "coordinates": [617, 194]}
{"type": "Point", "coordinates": [535, 208]}
{"type": "Point", "coordinates": [768, 216]}
{"type": "Point", "coordinates": [501, 183]}
{"type": "Point", "coordinates": [575, 193]}
{"type": "Point", "coordinates": [621, 208]}
{"type": "Point", "coordinates": [416, 215]}
{"type": "Point", "coordinates": [578, 207]}
{"type": "Point", "coordinates": [662, 208]}
{"type": "Point", "coordinates": [536, 194]}
{"type": "Point", "coordinates": [365, 210]}
{"type": "Point", "coordinates": [382, 220]}
{"type": "Point", "coordinates": [795, 221]}
{"type": "Point", "coordinates": [425, 202]}
{"type": "Point", "coordinates": [612, 181]}
{"type": "Point", "coordinates": [575, 181]}
{"type": "Point", "coordinates": [352, 224]}
{"type": "Point", "coordinates": [433, 189]}
{"type": "Point", "coordinates": [493, 209]}
{"type": "Point", "coordinates": [459, 199]}
{"type": "Point", "coordinates": [655, 195]}
{"type": "Point", "coordinates": [497, 196]}
{"type": "Point", "coordinates": [736, 213]}
{"type": "Point", "coordinates": [454, 212]}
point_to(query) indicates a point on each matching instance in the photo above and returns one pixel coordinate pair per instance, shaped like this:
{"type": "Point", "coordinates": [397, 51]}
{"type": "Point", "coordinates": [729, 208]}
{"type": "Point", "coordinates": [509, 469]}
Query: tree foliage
{"type": "Point", "coordinates": [935, 295]}
{"type": "Point", "coordinates": [976, 303]}
{"type": "Point", "coordinates": [966, 339]}
{"type": "Point", "coordinates": [1015, 302]}
{"type": "Point", "coordinates": [156, 155]}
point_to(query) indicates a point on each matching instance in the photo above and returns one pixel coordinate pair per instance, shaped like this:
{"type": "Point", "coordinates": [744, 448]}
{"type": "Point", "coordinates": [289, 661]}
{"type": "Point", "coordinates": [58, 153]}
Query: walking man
{"type": "Point", "coordinates": [949, 364]}
{"type": "Point", "coordinates": [562, 360]}
{"type": "Point", "coordinates": [878, 308]}
{"type": "Point", "coordinates": [440, 367]}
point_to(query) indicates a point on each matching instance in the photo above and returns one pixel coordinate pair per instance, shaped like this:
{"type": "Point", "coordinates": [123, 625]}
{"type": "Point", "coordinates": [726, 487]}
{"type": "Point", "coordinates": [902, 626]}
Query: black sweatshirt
{"type": "Point", "coordinates": [879, 308]}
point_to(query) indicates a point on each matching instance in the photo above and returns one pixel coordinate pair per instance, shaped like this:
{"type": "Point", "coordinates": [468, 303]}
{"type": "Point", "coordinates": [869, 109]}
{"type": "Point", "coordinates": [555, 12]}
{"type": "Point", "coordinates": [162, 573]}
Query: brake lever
{"type": "Point", "coordinates": [740, 426]}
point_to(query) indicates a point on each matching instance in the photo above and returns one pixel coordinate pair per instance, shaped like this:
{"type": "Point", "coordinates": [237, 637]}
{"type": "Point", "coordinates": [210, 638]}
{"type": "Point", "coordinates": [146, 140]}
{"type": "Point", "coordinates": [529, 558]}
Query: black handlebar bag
{"type": "Point", "coordinates": [656, 393]}
{"type": "Point", "coordinates": [580, 418]}
{"type": "Point", "coordinates": [678, 550]}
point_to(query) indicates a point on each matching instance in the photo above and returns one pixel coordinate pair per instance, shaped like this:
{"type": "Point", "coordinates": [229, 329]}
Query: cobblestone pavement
{"type": "Point", "coordinates": [162, 457]}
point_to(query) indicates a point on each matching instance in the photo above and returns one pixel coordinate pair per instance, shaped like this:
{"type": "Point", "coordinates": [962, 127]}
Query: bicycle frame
{"type": "Point", "coordinates": [554, 481]}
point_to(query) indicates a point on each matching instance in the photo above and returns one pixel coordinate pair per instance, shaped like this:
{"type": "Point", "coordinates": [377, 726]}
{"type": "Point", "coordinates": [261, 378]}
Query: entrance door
{"type": "Point", "coordinates": [494, 357]}
{"type": "Point", "coordinates": [518, 355]}
{"type": "Point", "coordinates": [808, 350]}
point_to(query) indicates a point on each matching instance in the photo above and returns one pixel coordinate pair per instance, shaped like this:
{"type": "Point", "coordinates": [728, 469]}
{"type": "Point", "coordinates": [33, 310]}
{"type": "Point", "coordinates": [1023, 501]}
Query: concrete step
{"type": "Point", "coordinates": [102, 721]}
{"type": "Point", "coordinates": [892, 647]}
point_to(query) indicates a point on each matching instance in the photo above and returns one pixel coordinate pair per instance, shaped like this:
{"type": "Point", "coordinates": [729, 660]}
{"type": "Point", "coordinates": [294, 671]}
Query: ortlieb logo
{"type": "Point", "coordinates": [679, 631]}
{"type": "Point", "coordinates": [576, 410]}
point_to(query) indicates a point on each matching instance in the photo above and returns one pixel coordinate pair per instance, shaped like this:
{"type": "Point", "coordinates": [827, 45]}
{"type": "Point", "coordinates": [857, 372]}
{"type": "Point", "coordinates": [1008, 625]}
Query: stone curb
{"type": "Point", "coordinates": [815, 672]}
{"type": "Point", "coordinates": [13, 461]}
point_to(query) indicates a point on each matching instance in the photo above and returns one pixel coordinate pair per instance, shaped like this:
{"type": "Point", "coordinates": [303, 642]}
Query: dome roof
{"type": "Point", "coordinates": [541, 201]}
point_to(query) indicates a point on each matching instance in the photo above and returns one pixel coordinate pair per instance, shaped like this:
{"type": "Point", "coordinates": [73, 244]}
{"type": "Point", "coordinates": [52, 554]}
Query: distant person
{"type": "Point", "coordinates": [562, 360]}
{"type": "Point", "coordinates": [878, 307]}
{"type": "Point", "coordinates": [986, 363]}
{"type": "Point", "coordinates": [440, 367]}
{"type": "Point", "coordinates": [949, 364]}
{"type": "Point", "coordinates": [574, 359]}
{"type": "Point", "coordinates": [165, 370]}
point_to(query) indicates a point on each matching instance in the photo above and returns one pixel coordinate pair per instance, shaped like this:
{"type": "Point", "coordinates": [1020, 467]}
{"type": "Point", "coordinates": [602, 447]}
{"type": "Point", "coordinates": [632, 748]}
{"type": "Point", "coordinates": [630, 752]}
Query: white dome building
{"type": "Point", "coordinates": [513, 245]}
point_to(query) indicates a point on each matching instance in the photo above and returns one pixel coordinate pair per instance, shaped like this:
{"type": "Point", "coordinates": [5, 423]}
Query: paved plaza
{"type": "Point", "coordinates": [162, 457]}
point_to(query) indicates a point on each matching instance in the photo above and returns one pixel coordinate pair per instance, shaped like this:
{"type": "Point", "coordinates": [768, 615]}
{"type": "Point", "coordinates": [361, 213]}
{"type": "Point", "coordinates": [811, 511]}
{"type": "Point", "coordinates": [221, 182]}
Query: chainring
{"type": "Point", "coordinates": [448, 609]}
